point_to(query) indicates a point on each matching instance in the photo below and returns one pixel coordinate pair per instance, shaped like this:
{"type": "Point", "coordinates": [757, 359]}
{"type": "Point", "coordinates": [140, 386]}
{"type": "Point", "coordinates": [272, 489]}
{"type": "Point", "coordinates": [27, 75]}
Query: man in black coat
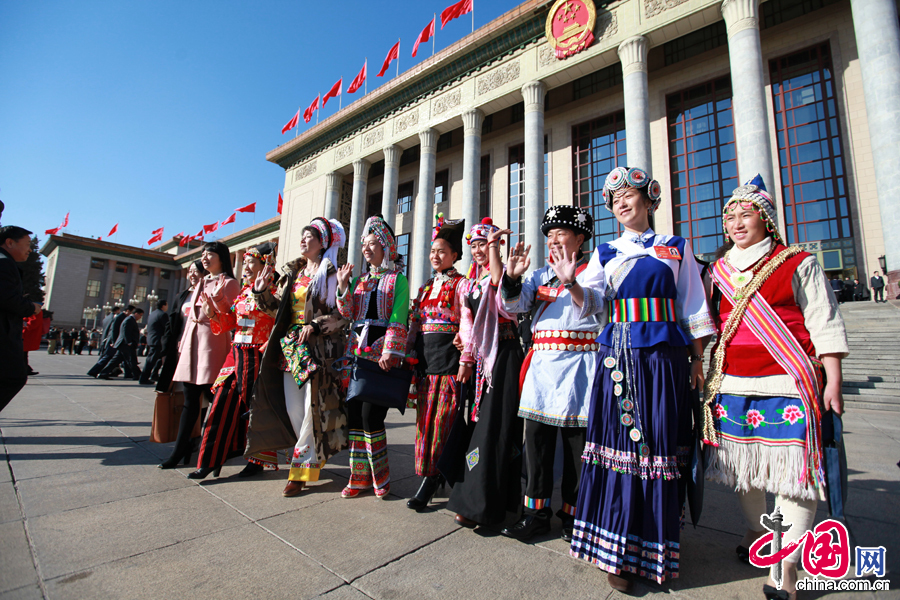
{"type": "Point", "coordinates": [107, 327]}
{"type": "Point", "coordinates": [125, 345]}
{"type": "Point", "coordinates": [15, 247]}
{"type": "Point", "coordinates": [110, 335]}
{"type": "Point", "coordinates": [837, 286]}
{"type": "Point", "coordinates": [156, 327]}
{"type": "Point", "coordinates": [877, 284]}
{"type": "Point", "coordinates": [860, 291]}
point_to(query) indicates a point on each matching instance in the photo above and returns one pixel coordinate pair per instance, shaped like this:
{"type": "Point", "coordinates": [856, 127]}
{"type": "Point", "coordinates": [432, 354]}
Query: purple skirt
{"type": "Point", "coordinates": [629, 512]}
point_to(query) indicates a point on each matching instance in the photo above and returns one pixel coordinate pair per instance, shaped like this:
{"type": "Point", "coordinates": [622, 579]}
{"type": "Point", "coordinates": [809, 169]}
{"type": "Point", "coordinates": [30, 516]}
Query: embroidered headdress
{"type": "Point", "coordinates": [754, 192]}
{"type": "Point", "coordinates": [265, 253]}
{"type": "Point", "coordinates": [575, 218]}
{"type": "Point", "coordinates": [481, 231]}
{"type": "Point", "coordinates": [623, 177]}
{"type": "Point", "coordinates": [377, 226]}
{"type": "Point", "coordinates": [333, 238]}
{"type": "Point", "coordinates": [452, 231]}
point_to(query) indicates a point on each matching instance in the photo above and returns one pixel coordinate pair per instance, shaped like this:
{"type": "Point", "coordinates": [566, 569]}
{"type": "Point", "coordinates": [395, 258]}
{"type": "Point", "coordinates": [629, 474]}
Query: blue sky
{"type": "Point", "coordinates": [160, 113]}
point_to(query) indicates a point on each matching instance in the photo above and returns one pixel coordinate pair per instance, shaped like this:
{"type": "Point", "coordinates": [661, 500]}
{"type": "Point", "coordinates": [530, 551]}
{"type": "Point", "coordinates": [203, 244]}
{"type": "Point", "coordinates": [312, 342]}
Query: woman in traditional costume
{"type": "Point", "coordinates": [299, 400]}
{"type": "Point", "coordinates": [776, 368]}
{"type": "Point", "coordinates": [489, 484]}
{"type": "Point", "coordinates": [435, 320]}
{"type": "Point", "coordinates": [628, 518]}
{"type": "Point", "coordinates": [225, 433]}
{"type": "Point", "coordinates": [202, 353]}
{"type": "Point", "coordinates": [377, 306]}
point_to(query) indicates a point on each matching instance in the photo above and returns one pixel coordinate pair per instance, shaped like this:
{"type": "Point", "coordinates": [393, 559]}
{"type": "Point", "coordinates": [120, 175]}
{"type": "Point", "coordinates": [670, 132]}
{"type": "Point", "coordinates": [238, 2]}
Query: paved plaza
{"type": "Point", "coordinates": [85, 513]}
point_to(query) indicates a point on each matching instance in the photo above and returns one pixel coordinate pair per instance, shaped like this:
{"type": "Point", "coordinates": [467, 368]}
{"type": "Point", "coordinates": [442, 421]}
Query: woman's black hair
{"type": "Point", "coordinates": [198, 264]}
{"type": "Point", "coordinates": [221, 250]}
{"type": "Point", "coordinates": [313, 231]}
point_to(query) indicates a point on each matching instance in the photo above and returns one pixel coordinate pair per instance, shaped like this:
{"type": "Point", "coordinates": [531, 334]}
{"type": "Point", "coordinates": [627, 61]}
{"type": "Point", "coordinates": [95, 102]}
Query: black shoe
{"type": "Point", "coordinates": [172, 461]}
{"type": "Point", "coordinates": [743, 554]}
{"type": "Point", "coordinates": [426, 492]}
{"type": "Point", "coordinates": [527, 527]}
{"type": "Point", "coordinates": [104, 377]}
{"type": "Point", "coordinates": [568, 523]}
{"type": "Point", "coordinates": [251, 469]}
{"type": "Point", "coordinates": [202, 473]}
{"type": "Point", "coordinates": [145, 382]}
{"type": "Point", "coordinates": [32, 373]}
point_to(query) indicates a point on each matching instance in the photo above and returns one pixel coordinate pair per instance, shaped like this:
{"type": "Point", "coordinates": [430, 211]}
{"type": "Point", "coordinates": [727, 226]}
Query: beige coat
{"type": "Point", "coordinates": [203, 353]}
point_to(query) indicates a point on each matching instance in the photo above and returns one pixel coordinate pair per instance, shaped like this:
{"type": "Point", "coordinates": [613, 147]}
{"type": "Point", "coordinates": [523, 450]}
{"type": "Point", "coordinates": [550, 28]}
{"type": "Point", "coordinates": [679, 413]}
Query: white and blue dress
{"type": "Point", "coordinates": [629, 509]}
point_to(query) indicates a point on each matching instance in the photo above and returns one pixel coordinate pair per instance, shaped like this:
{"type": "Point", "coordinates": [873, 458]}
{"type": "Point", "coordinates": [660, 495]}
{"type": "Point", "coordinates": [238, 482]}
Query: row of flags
{"type": "Point", "coordinates": [454, 11]}
{"type": "Point", "coordinates": [157, 234]}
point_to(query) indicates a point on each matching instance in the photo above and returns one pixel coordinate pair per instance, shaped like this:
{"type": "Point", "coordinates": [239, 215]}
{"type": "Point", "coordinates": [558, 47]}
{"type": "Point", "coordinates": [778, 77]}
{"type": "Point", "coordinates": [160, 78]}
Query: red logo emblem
{"type": "Point", "coordinates": [570, 26]}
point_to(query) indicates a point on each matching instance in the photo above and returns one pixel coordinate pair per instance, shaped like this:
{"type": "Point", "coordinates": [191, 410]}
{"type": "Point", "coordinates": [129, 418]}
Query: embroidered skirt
{"type": "Point", "coordinates": [435, 411]}
{"type": "Point", "coordinates": [629, 509]}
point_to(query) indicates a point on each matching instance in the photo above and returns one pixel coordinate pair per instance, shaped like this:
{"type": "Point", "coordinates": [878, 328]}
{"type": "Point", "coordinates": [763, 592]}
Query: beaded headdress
{"type": "Point", "coordinates": [754, 192]}
{"type": "Point", "coordinates": [265, 253]}
{"type": "Point", "coordinates": [575, 218]}
{"type": "Point", "coordinates": [481, 231]}
{"type": "Point", "coordinates": [452, 231]}
{"type": "Point", "coordinates": [622, 177]}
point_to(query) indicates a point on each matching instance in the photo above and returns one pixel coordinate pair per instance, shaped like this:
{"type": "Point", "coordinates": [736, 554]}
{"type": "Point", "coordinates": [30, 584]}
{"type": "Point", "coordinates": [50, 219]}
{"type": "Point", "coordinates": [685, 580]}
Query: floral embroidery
{"type": "Point", "coordinates": [754, 418]}
{"type": "Point", "coordinates": [792, 414]}
{"type": "Point", "coordinates": [721, 412]}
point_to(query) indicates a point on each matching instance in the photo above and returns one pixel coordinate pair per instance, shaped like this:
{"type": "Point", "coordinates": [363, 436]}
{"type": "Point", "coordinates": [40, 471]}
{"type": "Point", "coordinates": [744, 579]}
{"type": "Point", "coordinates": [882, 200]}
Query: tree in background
{"type": "Point", "coordinates": [33, 274]}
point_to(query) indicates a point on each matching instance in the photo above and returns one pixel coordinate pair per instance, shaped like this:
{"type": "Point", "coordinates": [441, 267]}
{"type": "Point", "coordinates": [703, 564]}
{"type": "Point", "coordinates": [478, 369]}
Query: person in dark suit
{"type": "Point", "coordinates": [837, 286]}
{"type": "Point", "coordinates": [175, 326]}
{"type": "Point", "coordinates": [876, 282]}
{"type": "Point", "coordinates": [849, 287]}
{"type": "Point", "coordinates": [108, 342]}
{"type": "Point", "coordinates": [15, 247]}
{"type": "Point", "coordinates": [156, 328]}
{"type": "Point", "coordinates": [106, 327]}
{"type": "Point", "coordinates": [125, 346]}
{"type": "Point", "coordinates": [860, 291]}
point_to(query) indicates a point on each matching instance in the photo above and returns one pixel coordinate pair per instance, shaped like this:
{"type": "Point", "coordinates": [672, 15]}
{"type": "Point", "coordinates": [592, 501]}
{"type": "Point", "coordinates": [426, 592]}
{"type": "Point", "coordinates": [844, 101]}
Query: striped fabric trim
{"type": "Point", "coordinates": [615, 554]}
{"type": "Point", "coordinates": [568, 509]}
{"type": "Point", "coordinates": [536, 503]}
{"type": "Point", "coordinates": [631, 310]}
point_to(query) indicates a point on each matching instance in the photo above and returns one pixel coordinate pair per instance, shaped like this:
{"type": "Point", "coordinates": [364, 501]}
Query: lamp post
{"type": "Point", "coordinates": [882, 262]}
{"type": "Point", "coordinates": [86, 314]}
{"type": "Point", "coordinates": [119, 303]}
{"type": "Point", "coordinates": [152, 299]}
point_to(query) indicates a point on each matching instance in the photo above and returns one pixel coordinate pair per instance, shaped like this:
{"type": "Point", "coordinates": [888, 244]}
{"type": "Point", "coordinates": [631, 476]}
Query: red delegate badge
{"type": "Point", "coordinates": [667, 253]}
{"type": "Point", "coordinates": [547, 294]}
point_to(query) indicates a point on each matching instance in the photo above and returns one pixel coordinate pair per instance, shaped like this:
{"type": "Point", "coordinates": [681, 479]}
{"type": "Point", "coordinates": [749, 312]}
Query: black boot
{"type": "Point", "coordinates": [204, 471]}
{"type": "Point", "coordinates": [528, 526]}
{"type": "Point", "coordinates": [568, 524]}
{"type": "Point", "coordinates": [426, 492]}
{"type": "Point", "coordinates": [250, 470]}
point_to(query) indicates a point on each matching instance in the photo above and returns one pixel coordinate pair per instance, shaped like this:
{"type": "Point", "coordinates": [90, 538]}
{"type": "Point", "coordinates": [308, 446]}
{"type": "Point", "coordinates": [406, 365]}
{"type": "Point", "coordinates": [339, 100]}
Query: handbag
{"type": "Point", "coordinates": [697, 461]}
{"type": "Point", "coordinates": [166, 417]}
{"type": "Point", "coordinates": [370, 383]}
{"type": "Point", "coordinates": [834, 461]}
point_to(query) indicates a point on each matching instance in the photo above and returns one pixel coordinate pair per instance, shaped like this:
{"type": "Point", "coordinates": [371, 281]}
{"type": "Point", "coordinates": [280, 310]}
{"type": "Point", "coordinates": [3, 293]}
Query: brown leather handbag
{"type": "Point", "coordinates": [167, 416]}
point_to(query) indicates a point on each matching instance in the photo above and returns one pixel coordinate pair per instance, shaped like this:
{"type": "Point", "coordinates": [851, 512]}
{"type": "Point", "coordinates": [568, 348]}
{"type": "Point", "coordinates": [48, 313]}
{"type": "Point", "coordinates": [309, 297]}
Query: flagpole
{"type": "Point", "coordinates": [317, 109]}
{"type": "Point", "coordinates": [366, 80]}
{"type": "Point", "coordinates": [297, 127]}
{"type": "Point", "coordinates": [434, 33]}
{"type": "Point", "coordinates": [398, 57]}
{"type": "Point", "coordinates": [473, 16]}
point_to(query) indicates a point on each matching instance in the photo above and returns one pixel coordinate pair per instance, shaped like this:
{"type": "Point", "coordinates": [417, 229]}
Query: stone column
{"type": "Point", "coordinates": [332, 195]}
{"type": "Point", "coordinates": [357, 213]}
{"type": "Point", "coordinates": [391, 181]}
{"type": "Point", "coordinates": [154, 281]}
{"type": "Point", "coordinates": [633, 55]}
{"type": "Point", "coordinates": [132, 280]}
{"type": "Point", "coordinates": [420, 268]}
{"type": "Point", "coordinates": [533, 92]}
{"type": "Point", "coordinates": [751, 117]}
{"type": "Point", "coordinates": [106, 286]}
{"type": "Point", "coordinates": [472, 122]}
{"type": "Point", "coordinates": [878, 45]}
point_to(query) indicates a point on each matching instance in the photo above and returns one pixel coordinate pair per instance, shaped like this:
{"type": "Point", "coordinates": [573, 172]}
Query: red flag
{"type": "Point", "coordinates": [248, 208]}
{"type": "Point", "coordinates": [157, 231]}
{"type": "Point", "coordinates": [113, 230]}
{"type": "Point", "coordinates": [358, 80]}
{"type": "Point", "coordinates": [52, 231]}
{"type": "Point", "coordinates": [308, 113]}
{"type": "Point", "coordinates": [229, 219]}
{"type": "Point", "coordinates": [200, 234]}
{"type": "Point", "coordinates": [154, 239]}
{"type": "Point", "coordinates": [334, 92]}
{"type": "Point", "coordinates": [209, 228]}
{"type": "Point", "coordinates": [185, 240]}
{"type": "Point", "coordinates": [292, 123]}
{"type": "Point", "coordinates": [392, 55]}
{"type": "Point", "coordinates": [454, 11]}
{"type": "Point", "coordinates": [65, 222]}
{"type": "Point", "coordinates": [424, 36]}
{"type": "Point", "coordinates": [280, 203]}
{"type": "Point", "coordinates": [99, 239]}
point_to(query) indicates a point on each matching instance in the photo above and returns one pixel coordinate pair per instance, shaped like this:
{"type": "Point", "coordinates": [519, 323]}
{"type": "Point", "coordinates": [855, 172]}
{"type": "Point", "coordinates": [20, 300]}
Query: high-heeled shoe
{"type": "Point", "coordinates": [202, 472]}
{"type": "Point", "coordinates": [251, 469]}
{"type": "Point", "coordinates": [426, 492]}
{"type": "Point", "coordinates": [172, 461]}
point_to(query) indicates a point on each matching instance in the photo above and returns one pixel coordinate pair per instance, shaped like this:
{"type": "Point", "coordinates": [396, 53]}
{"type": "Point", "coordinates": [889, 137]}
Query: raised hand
{"type": "Point", "coordinates": [518, 261]}
{"type": "Point", "coordinates": [563, 265]}
{"type": "Point", "coordinates": [343, 276]}
{"type": "Point", "coordinates": [262, 280]}
{"type": "Point", "coordinates": [495, 236]}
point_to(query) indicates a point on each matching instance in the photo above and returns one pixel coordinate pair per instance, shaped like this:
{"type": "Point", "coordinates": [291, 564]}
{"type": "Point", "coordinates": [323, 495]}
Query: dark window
{"type": "Point", "coordinates": [377, 169]}
{"type": "Point", "coordinates": [373, 206]}
{"type": "Point", "coordinates": [163, 295]}
{"type": "Point", "coordinates": [403, 249]}
{"type": "Point", "coordinates": [518, 112]}
{"type": "Point", "coordinates": [140, 294]}
{"type": "Point", "coordinates": [702, 162]}
{"type": "Point", "coordinates": [118, 291]}
{"type": "Point", "coordinates": [597, 81]}
{"type": "Point", "coordinates": [487, 125]}
{"type": "Point", "coordinates": [445, 141]}
{"type": "Point", "coordinates": [696, 42]}
{"type": "Point", "coordinates": [121, 267]}
{"type": "Point", "coordinates": [98, 263]}
{"type": "Point", "coordinates": [144, 271]}
{"type": "Point", "coordinates": [484, 191]}
{"type": "Point", "coordinates": [809, 147]}
{"type": "Point", "coordinates": [93, 288]}
{"type": "Point", "coordinates": [516, 210]}
{"type": "Point", "coordinates": [163, 274]}
{"type": "Point", "coordinates": [405, 197]}
{"type": "Point", "coordinates": [442, 186]}
{"type": "Point", "coordinates": [410, 155]}
{"type": "Point", "coordinates": [775, 12]}
{"type": "Point", "coordinates": [598, 146]}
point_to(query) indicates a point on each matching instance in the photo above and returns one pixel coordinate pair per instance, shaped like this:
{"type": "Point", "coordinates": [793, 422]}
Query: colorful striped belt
{"type": "Point", "coordinates": [440, 327]}
{"type": "Point", "coordinates": [631, 310]}
{"type": "Point", "coordinates": [572, 341]}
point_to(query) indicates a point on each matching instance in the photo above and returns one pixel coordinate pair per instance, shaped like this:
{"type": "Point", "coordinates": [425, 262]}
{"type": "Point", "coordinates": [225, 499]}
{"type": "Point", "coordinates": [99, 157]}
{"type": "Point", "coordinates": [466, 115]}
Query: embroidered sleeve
{"type": "Point", "coordinates": [518, 297]}
{"type": "Point", "coordinates": [821, 314]}
{"type": "Point", "coordinates": [269, 299]}
{"type": "Point", "coordinates": [593, 282]}
{"type": "Point", "coordinates": [395, 339]}
{"type": "Point", "coordinates": [331, 320]}
{"type": "Point", "coordinates": [690, 305]}
{"type": "Point", "coordinates": [415, 319]}
{"type": "Point", "coordinates": [345, 300]}
{"type": "Point", "coordinates": [224, 318]}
